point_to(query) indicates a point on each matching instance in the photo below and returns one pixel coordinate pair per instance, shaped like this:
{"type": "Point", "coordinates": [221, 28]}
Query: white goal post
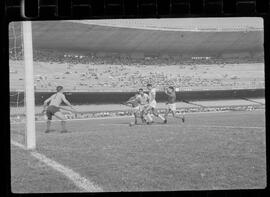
{"type": "Point", "coordinates": [29, 85]}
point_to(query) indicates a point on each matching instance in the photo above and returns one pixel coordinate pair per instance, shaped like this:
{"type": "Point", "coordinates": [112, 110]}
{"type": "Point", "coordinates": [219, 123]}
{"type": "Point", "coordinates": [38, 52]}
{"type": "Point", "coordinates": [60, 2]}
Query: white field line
{"type": "Point", "coordinates": [18, 144]}
{"type": "Point", "coordinates": [122, 117]}
{"type": "Point", "coordinates": [183, 125]}
{"type": "Point", "coordinates": [77, 119]}
{"type": "Point", "coordinates": [211, 126]}
{"type": "Point", "coordinates": [81, 182]}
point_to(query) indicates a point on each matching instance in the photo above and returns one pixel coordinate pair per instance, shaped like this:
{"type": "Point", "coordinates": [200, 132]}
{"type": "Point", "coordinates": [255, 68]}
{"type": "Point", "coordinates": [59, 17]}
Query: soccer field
{"type": "Point", "coordinates": [224, 150]}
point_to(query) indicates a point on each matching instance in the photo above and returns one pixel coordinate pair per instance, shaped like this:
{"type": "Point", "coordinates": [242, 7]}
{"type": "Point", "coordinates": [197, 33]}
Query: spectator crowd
{"type": "Point", "coordinates": [51, 56]}
{"type": "Point", "coordinates": [96, 72]}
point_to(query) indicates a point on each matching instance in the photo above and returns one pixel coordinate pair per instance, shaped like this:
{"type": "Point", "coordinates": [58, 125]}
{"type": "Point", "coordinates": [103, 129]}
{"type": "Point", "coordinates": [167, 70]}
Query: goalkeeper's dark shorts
{"type": "Point", "coordinates": [51, 110]}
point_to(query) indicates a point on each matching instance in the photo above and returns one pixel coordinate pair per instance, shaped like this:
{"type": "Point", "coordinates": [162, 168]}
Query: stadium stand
{"type": "Point", "coordinates": [94, 72]}
{"type": "Point", "coordinates": [138, 52]}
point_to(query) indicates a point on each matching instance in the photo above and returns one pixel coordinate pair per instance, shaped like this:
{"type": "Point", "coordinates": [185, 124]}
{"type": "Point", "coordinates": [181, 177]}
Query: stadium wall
{"type": "Point", "coordinates": [85, 98]}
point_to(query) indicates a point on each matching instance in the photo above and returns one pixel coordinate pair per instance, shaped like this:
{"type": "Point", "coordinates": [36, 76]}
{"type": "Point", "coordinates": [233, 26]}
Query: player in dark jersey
{"type": "Point", "coordinates": [171, 105]}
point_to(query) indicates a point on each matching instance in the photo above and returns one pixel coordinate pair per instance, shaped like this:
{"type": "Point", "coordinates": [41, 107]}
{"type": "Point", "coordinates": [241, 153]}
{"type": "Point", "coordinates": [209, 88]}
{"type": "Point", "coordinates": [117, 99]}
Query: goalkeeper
{"type": "Point", "coordinates": [52, 108]}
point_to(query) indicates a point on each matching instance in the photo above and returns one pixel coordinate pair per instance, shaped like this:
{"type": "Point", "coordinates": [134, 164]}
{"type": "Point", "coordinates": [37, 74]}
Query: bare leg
{"type": "Point", "coordinates": [63, 123]}
{"type": "Point", "coordinates": [157, 115]}
{"type": "Point", "coordinates": [148, 114]}
{"type": "Point", "coordinates": [142, 117]}
{"type": "Point", "coordinates": [178, 116]}
{"type": "Point", "coordinates": [135, 116]}
{"type": "Point", "coordinates": [60, 116]}
{"type": "Point", "coordinates": [166, 115]}
{"type": "Point", "coordinates": [149, 117]}
{"type": "Point", "coordinates": [48, 126]}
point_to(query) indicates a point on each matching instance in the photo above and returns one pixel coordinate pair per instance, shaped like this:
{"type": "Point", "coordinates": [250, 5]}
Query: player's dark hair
{"type": "Point", "coordinates": [59, 88]}
{"type": "Point", "coordinates": [172, 88]}
{"type": "Point", "coordinates": [149, 85]}
{"type": "Point", "coordinates": [140, 89]}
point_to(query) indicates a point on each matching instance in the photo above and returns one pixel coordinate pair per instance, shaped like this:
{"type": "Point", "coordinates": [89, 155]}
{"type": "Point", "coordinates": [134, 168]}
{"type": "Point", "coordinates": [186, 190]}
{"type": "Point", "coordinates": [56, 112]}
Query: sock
{"type": "Point", "coordinates": [161, 117]}
{"type": "Point", "coordinates": [63, 125]}
{"type": "Point", "coordinates": [149, 117]}
{"type": "Point", "coordinates": [48, 125]}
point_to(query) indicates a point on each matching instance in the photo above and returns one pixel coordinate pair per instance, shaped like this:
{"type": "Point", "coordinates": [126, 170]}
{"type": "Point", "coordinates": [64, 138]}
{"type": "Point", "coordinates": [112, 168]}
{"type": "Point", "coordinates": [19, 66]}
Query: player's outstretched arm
{"type": "Point", "coordinates": [166, 91]}
{"type": "Point", "coordinates": [70, 110]}
{"type": "Point", "coordinates": [68, 103]}
{"type": "Point", "coordinates": [46, 102]}
{"type": "Point", "coordinates": [127, 104]}
{"type": "Point", "coordinates": [131, 100]}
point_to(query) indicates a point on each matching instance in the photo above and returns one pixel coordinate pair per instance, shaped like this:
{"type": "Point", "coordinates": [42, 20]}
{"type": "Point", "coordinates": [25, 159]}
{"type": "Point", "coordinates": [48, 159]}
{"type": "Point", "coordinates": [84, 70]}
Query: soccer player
{"type": "Point", "coordinates": [134, 102]}
{"type": "Point", "coordinates": [171, 106]}
{"type": "Point", "coordinates": [53, 109]}
{"type": "Point", "coordinates": [152, 104]}
{"type": "Point", "coordinates": [143, 100]}
{"type": "Point", "coordinates": [138, 102]}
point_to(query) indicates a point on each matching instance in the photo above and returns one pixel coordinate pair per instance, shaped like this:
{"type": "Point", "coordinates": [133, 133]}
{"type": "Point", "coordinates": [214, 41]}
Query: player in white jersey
{"type": "Point", "coordinates": [134, 103]}
{"type": "Point", "coordinates": [143, 100]}
{"type": "Point", "coordinates": [53, 109]}
{"type": "Point", "coordinates": [152, 104]}
{"type": "Point", "coordinates": [138, 103]}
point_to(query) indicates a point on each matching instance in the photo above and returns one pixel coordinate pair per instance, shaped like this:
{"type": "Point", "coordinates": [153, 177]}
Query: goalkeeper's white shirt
{"type": "Point", "coordinates": [57, 98]}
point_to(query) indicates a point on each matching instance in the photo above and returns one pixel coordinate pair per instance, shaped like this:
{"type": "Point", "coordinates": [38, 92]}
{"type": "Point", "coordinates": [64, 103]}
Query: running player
{"type": "Point", "coordinates": [134, 102]}
{"type": "Point", "coordinates": [138, 102]}
{"type": "Point", "coordinates": [53, 109]}
{"type": "Point", "coordinates": [171, 106]}
{"type": "Point", "coordinates": [143, 100]}
{"type": "Point", "coordinates": [152, 104]}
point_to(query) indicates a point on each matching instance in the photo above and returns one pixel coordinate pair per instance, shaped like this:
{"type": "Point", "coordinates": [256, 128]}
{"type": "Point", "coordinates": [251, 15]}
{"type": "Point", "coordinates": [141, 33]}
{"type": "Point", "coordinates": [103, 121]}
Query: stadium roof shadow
{"type": "Point", "coordinates": [79, 37]}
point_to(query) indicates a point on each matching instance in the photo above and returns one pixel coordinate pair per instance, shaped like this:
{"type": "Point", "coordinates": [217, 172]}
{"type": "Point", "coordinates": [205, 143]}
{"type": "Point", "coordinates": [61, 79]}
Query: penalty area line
{"type": "Point", "coordinates": [81, 182]}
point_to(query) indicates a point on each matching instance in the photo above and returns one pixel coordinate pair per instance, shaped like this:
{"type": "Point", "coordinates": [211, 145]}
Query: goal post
{"type": "Point", "coordinates": [29, 85]}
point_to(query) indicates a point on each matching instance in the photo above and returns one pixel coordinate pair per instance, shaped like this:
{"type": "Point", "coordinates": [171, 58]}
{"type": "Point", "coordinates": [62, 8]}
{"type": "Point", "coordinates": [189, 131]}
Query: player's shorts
{"type": "Point", "coordinates": [136, 109]}
{"type": "Point", "coordinates": [171, 106]}
{"type": "Point", "coordinates": [143, 108]}
{"type": "Point", "coordinates": [51, 110]}
{"type": "Point", "coordinates": [153, 104]}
